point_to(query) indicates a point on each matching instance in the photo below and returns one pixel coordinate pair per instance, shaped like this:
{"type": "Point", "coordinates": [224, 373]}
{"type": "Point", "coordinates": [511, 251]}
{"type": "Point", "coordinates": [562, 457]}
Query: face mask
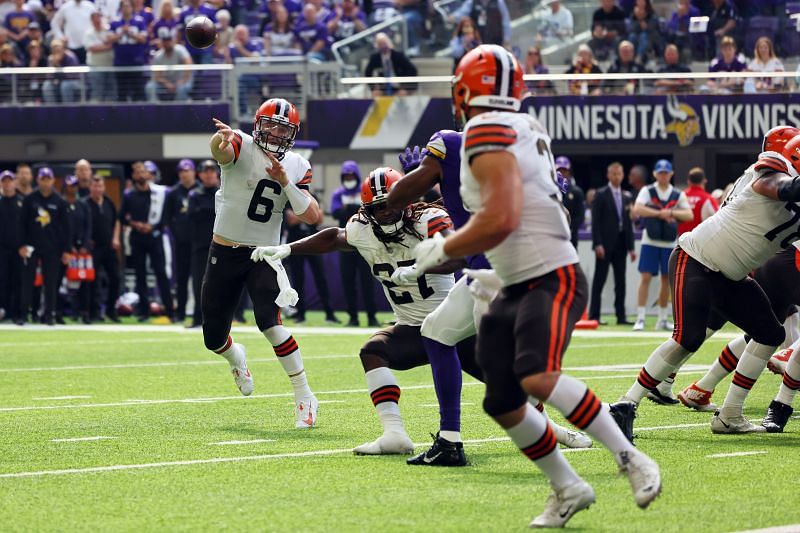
{"type": "Point", "coordinates": [350, 184]}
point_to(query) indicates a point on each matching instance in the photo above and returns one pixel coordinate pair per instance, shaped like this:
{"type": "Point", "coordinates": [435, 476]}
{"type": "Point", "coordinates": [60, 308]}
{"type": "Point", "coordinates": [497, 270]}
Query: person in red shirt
{"type": "Point", "coordinates": [702, 203]}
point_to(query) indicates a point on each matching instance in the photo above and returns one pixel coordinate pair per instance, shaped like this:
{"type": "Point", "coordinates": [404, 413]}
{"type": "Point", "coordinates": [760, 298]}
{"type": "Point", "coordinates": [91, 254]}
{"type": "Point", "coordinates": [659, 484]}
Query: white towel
{"type": "Point", "coordinates": [287, 296]}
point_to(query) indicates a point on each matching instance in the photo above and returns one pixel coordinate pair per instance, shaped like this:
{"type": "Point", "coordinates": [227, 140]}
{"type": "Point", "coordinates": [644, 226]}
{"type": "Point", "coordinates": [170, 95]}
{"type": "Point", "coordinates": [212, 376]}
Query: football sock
{"type": "Point", "coordinates": [446, 369]}
{"type": "Point", "coordinates": [659, 365]}
{"type": "Point", "coordinates": [791, 380]}
{"type": "Point", "coordinates": [385, 394]}
{"type": "Point", "coordinates": [663, 313]}
{"type": "Point", "coordinates": [641, 312]}
{"type": "Point", "coordinates": [724, 365]}
{"type": "Point", "coordinates": [585, 411]}
{"type": "Point", "coordinates": [536, 440]}
{"type": "Point", "coordinates": [288, 354]}
{"type": "Point", "coordinates": [751, 364]}
{"type": "Point", "coordinates": [231, 352]}
{"type": "Point", "coordinates": [791, 327]}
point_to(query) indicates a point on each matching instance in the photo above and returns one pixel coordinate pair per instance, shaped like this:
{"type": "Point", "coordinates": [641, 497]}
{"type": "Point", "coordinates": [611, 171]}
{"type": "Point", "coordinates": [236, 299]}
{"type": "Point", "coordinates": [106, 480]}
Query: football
{"type": "Point", "coordinates": [201, 32]}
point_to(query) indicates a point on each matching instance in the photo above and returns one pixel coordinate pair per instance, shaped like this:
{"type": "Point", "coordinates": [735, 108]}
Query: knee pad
{"type": "Point", "coordinates": [267, 313]}
{"type": "Point", "coordinates": [214, 337]}
{"type": "Point", "coordinates": [500, 404]}
{"type": "Point", "coordinates": [774, 336]}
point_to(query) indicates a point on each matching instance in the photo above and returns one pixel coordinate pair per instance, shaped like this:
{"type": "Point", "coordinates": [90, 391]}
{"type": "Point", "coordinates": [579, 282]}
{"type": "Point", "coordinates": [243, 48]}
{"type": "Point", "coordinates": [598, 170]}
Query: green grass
{"type": "Point", "coordinates": [501, 491]}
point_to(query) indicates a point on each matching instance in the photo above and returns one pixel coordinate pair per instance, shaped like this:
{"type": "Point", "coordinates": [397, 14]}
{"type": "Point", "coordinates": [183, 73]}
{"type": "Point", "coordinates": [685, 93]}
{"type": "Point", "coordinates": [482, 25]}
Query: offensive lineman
{"type": "Point", "coordinates": [259, 175]}
{"type": "Point", "coordinates": [508, 182]}
{"type": "Point", "coordinates": [385, 238]}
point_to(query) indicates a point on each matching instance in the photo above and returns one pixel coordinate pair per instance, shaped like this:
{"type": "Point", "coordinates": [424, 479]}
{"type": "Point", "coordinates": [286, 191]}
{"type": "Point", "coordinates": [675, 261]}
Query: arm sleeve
{"type": "Point", "coordinates": [304, 183]}
{"type": "Point", "coordinates": [438, 222]}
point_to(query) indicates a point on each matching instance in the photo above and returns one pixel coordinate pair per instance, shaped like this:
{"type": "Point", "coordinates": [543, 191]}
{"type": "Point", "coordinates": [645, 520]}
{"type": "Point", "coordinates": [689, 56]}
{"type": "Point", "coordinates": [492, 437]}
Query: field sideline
{"type": "Point", "coordinates": [139, 428]}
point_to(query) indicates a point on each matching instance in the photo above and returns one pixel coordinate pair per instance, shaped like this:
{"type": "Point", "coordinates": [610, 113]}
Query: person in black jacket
{"type": "Point", "coordinates": [143, 210]}
{"type": "Point", "coordinates": [45, 239]}
{"type": "Point", "coordinates": [612, 240]}
{"type": "Point", "coordinates": [80, 223]}
{"type": "Point", "coordinates": [177, 219]}
{"type": "Point", "coordinates": [345, 202]}
{"type": "Point", "coordinates": [10, 264]}
{"type": "Point", "coordinates": [389, 62]}
{"type": "Point", "coordinates": [105, 245]}
{"type": "Point", "coordinates": [574, 199]}
{"type": "Point", "coordinates": [201, 223]}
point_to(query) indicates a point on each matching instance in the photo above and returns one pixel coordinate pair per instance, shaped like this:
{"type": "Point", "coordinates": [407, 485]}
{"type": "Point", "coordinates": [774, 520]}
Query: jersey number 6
{"type": "Point", "coordinates": [260, 209]}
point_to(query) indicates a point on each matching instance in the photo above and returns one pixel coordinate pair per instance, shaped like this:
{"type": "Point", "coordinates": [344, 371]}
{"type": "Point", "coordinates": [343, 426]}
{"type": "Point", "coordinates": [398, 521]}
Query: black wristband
{"type": "Point", "coordinates": [789, 191]}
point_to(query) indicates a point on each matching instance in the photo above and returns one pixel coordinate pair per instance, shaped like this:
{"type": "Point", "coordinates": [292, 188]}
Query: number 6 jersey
{"type": "Point", "coordinates": [748, 229]}
{"type": "Point", "coordinates": [249, 204]}
{"type": "Point", "coordinates": [413, 302]}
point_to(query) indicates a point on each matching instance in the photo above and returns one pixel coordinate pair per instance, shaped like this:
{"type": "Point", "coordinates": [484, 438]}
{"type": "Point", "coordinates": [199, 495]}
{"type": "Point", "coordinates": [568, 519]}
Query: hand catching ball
{"type": "Point", "coordinates": [201, 32]}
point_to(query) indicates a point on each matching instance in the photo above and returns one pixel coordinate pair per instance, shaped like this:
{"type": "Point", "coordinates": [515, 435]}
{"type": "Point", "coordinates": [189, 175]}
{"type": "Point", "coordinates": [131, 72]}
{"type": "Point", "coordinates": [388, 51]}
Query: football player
{"type": "Point", "coordinates": [260, 174]}
{"type": "Point", "coordinates": [509, 184]}
{"type": "Point", "coordinates": [385, 238]}
{"type": "Point", "coordinates": [457, 318]}
{"type": "Point", "coordinates": [709, 273]}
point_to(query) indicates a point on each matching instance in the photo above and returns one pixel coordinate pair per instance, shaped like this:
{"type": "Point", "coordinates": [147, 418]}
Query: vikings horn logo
{"type": "Point", "coordinates": [685, 124]}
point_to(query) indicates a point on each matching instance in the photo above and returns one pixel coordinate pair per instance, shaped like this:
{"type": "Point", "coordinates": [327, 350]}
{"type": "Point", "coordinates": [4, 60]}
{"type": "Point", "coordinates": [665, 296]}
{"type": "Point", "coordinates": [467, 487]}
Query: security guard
{"type": "Point", "coordinates": [201, 222]}
{"type": "Point", "coordinates": [10, 264]}
{"type": "Point", "coordinates": [45, 239]}
{"type": "Point", "coordinates": [143, 210]}
{"type": "Point", "coordinates": [177, 220]}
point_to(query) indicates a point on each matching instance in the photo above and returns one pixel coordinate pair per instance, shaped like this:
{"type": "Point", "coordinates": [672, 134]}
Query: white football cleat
{"type": "Point", "coordinates": [664, 325]}
{"type": "Point", "coordinates": [570, 438]}
{"type": "Point", "coordinates": [643, 474]}
{"type": "Point", "coordinates": [390, 443]}
{"type": "Point", "coordinates": [639, 325]}
{"type": "Point", "coordinates": [777, 363]}
{"type": "Point", "coordinates": [305, 412]}
{"type": "Point", "coordinates": [561, 505]}
{"type": "Point", "coordinates": [696, 398]}
{"type": "Point", "coordinates": [733, 425]}
{"type": "Point", "coordinates": [241, 374]}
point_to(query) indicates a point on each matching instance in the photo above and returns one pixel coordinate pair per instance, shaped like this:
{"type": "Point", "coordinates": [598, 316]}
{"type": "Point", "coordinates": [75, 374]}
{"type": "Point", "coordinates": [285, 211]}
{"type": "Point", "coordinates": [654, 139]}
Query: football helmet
{"type": "Point", "coordinates": [374, 192]}
{"type": "Point", "coordinates": [777, 137]}
{"type": "Point", "coordinates": [791, 151]}
{"type": "Point", "coordinates": [488, 76]}
{"type": "Point", "coordinates": [276, 125]}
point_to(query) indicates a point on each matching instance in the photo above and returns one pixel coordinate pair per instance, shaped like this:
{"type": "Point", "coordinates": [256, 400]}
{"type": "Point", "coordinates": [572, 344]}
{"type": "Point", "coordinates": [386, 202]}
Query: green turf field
{"type": "Point", "coordinates": [182, 451]}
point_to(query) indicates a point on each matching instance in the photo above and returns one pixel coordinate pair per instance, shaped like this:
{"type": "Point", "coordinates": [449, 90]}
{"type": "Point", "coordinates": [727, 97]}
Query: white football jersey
{"type": "Point", "coordinates": [410, 303]}
{"type": "Point", "coordinates": [541, 242]}
{"type": "Point", "coordinates": [249, 203]}
{"type": "Point", "coordinates": [748, 229]}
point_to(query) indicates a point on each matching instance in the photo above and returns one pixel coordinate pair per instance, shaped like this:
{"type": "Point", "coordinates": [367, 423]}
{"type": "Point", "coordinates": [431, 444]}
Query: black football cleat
{"type": "Point", "coordinates": [442, 453]}
{"type": "Point", "coordinates": [624, 412]}
{"type": "Point", "coordinates": [777, 417]}
{"type": "Point", "coordinates": [654, 395]}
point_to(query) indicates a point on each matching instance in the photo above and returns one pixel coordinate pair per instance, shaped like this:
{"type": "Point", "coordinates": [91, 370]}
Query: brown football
{"type": "Point", "coordinates": [201, 32]}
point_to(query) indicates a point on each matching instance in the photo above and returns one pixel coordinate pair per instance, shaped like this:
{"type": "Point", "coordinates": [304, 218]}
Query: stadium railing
{"type": "Point", "coordinates": [352, 53]}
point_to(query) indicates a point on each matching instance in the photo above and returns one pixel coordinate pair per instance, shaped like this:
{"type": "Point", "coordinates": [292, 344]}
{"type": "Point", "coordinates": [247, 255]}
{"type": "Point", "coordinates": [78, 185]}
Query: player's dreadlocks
{"type": "Point", "coordinates": [411, 216]}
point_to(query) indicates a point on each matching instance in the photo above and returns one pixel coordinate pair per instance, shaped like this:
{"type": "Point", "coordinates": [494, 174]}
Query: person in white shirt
{"type": "Point", "coordinates": [71, 22]}
{"type": "Point", "coordinates": [557, 26]}
{"type": "Point", "coordinates": [176, 83]}
{"type": "Point", "coordinates": [99, 53]}
{"type": "Point", "coordinates": [661, 206]}
{"type": "Point", "coordinates": [765, 60]}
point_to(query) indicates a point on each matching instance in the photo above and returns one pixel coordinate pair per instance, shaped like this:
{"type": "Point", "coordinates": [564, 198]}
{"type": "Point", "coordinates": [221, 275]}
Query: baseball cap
{"type": "Point", "coordinates": [186, 164]}
{"type": "Point", "coordinates": [563, 161]}
{"type": "Point", "coordinates": [151, 167]}
{"type": "Point", "coordinates": [165, 33]}
{"type": "Point", "coordinates": [34, 26]}
{"type": "Point", "coordinates": [662, 165]}
{"type": "Point", "coordinates": [207, 164]}
{"type": "Point", "coordinates": [7, 174]}
{"type": "Point", "coordinates": [71, 180]}
{"type": "Point", "coordinates": [45, 172]}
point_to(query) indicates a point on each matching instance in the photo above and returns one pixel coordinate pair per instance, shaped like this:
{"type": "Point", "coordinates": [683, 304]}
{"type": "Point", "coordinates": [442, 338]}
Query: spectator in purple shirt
{"type": "Point", "coordinates": [192, 9]}
{"type": "Point", "coordinates": [678, 26]}
{"type": "Point", "coordinates": [67, 85]}
{"type": "Point", "coordinates": [143, 11]}
{"type": "Point", "coordinates": [17, 22]}
{"type": "Point", "coordinates": [727, 61]}
{"type": "Point", "coordinates": [346, 20]}
{"type": "Point", "coordinates": [130, 49]}
{"type": "Point", "coordinates": [166, 19]}
{"type": "Point", "coordinates": [312, 34]}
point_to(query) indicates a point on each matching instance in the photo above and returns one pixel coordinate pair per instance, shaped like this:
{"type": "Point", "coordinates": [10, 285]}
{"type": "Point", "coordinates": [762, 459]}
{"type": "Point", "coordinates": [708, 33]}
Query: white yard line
{"type": "Point", "coordinates": [165, 464]}
{"type": "Point", "coordinates": [735, 454]}
{"type": "Point", "coordinates": [788, 528]}
{"type": "Point", "coordinates": [237, 442]}
{"type": "Point", "coordinates": [82, 439]}
{"type": "Point", "coordinates": [81, 397]}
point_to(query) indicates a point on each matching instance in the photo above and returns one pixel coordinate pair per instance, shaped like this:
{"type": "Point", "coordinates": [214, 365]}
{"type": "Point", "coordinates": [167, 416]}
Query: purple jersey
{"type": "Point", "coordinates": [308, 34]}
{"type": "Point", "coordinates": [445, 146]}
{"type": "Point", "coordinates": [347, 26]}
{"type": "Point", "coordinates": [255, 46]}
{"type": "Point", "coordinates": [147, 16]}
{"type": "Point", "coordinates": [127, 50]}
{"type": "Point", "coordinates": [17, 21]}
{"type": "Point", "coordinates": [188, 13]}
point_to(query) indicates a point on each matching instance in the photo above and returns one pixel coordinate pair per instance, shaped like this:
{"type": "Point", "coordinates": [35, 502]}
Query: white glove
{"type": "Point", "coordinates": [287, 295]}
{"type": "Point", "coordinates": [274, 253]}
{"type": "Point", "coordinates": [405, 275]}
{"type": "Point", "coordinates": [430, 253]}
{"type": "Point", "coordinates": [485, 284]}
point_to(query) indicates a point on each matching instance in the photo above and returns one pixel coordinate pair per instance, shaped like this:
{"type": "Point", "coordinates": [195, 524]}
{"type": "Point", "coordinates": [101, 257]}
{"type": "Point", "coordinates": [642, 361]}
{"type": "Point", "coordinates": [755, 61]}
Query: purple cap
{"type": "Point", "coordinates": [185, 164]}
{"type": "Point", "coordinates": [7, 174]}
{"type": "Point", "coordinates": [563, 161]}
{"type": "Point", "coordinates": [45, 172]}
{"type": "Point", "coordinates": [151, 167]}
{"type": "Point", "coordinates": [71, 180]}
{"type": "Point", "coordinates": [351, 167]}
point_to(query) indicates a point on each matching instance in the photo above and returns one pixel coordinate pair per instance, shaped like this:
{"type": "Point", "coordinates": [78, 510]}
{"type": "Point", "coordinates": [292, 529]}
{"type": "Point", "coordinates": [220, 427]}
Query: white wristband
{"type": "Point", "coordinates": [297, 198]}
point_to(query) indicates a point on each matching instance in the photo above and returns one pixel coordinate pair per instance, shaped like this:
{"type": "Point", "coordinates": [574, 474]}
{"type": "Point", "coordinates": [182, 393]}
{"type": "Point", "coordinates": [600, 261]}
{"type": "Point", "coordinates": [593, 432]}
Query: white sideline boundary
{"type": "Point", "coordinates": [736, 454]}
{"type": "Point", "coordinates": [788, 528]}
{"type": "Point", "coordinates": [264, 457]}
